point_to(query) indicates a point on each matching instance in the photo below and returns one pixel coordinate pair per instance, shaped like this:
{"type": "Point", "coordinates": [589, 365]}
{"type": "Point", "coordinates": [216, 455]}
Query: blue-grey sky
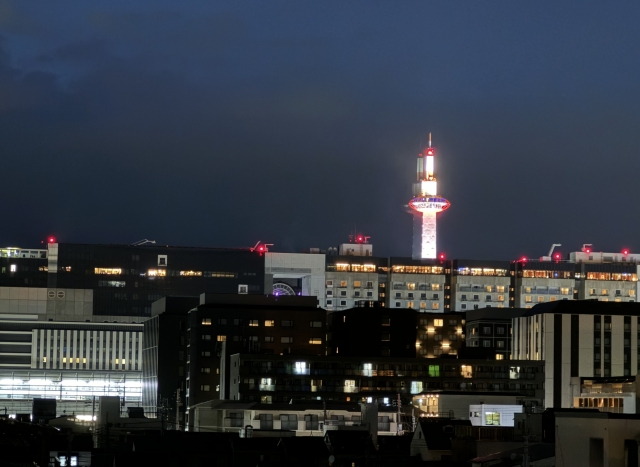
{"type": "Point", "coordinates": [292, 122]}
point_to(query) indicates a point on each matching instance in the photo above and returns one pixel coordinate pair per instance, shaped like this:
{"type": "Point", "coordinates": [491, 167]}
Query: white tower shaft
{"type": "Point", "coordinates": [429, 234]}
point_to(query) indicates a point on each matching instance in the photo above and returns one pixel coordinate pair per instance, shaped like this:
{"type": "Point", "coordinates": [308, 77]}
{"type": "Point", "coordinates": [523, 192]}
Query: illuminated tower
{"type": "Point", "coordinates": [424, 206]}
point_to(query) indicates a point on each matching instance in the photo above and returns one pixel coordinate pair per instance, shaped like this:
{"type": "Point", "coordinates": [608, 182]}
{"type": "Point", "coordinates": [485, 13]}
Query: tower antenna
{"type": "Point", "coordinates": [429, 139]}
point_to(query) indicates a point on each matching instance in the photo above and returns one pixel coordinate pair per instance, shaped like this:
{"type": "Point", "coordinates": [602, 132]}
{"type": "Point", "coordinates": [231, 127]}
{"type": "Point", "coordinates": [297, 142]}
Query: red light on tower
{"type": "Point", "coordinates": [557, 256]}
{"type": "Point", "coordinates": [261, 248]}
{"type": "Point", "coordinates": [360, 239]}
{"type": "Point", "coordinates": [625, 251]}
{"type": "Point", "coordinates": [442, 256]}
{"type": "Point", "coordinates": [51, 239]}
{"type": "Point", "coordinates": [587, 250]}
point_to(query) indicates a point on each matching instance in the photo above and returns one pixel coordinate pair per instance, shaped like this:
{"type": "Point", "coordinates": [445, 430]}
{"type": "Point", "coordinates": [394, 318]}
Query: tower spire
{"type": "Point", "coordinates": [429, 139]}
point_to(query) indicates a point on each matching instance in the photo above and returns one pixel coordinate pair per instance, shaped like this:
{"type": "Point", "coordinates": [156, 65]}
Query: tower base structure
{"type": "Point", "coordinates": [424, 235]}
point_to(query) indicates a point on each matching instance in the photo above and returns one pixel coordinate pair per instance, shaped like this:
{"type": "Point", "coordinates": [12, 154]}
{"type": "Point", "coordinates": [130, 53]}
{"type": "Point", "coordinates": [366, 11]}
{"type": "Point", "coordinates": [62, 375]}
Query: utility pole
{"type": "Point", "coordinates": [399, 421]}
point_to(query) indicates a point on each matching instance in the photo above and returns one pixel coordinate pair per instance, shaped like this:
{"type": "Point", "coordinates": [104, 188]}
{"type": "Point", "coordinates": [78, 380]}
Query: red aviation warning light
{"type": "Point", "coordinates": [625, 251]}
{"type": "Point", "coordinates": [261, 248]}
{"type": "Point", "coordinates": [51, 240]}
{"type": "Point", "coordinates": [557, 256]}
{"type": "Point", "coordinates": [442, 256]}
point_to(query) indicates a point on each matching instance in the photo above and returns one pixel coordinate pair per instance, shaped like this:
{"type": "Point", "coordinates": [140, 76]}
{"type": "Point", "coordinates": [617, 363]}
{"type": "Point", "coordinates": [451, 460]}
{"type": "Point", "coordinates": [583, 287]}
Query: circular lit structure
{"type": "Point", "coordinates": [425, 204]}
{"type": "Point", "coordinates": [280, 289]}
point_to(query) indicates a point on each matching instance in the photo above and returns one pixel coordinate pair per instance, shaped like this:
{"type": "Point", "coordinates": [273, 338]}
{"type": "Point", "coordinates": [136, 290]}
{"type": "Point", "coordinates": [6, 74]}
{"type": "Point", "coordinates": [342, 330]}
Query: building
{"type": "Point", "coordinates": [124, 280]}
{"type": "Point", "coordinates": [295, 274]}
{"type": "Point", "coordinates": [606, 439]}
{"type": "Point", "coordinates": [490, 330]}
{"type": "Point", "coordinates": [281, 378]}
{"type": "Point", "coordinates": [222, 325]}
{"type": "Point", "coordinates": [352, 280]}
{"type": "Point", "coordinates": [381, 332]}
{"type": "Point", "coordinates": [578, 339]}
{"type": "Point", "coordinates": [543, 281]}
{"type": "Point", "coordinates": [164, 358]}
{"type": "Point", "coordinates": [417, 284]}
{"type": "Point", "coordinates": [424, 206]}
{"type": "Point", "coordinates": [493, 414]}
{"type": "Point", "coordinates": [479, 284]}
{"type": "Point", "coordinates": [307, 418]}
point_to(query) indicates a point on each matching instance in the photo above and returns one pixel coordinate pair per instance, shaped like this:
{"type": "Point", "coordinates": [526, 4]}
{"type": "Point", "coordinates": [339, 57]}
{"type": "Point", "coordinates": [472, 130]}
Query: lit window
{"type": "Point", "coordinates": [301, 368]}
{"type": "Point", "coordinates": [605, 292]}
{"type": "Point", "coordinates": [540, 299]}
{"type": "Point", "coordinates": [117, 361]}
{"type": "Point", "coordinates": [269, 323]}
{"type": "Point", "coordinates": [13, 268]}
{"type": "Point", "coordinates": [110, 271]}
{"type": "Point", "coordinates": [501, 298]}
{"type": "Point", "coordinates": [438, 322]}
{"type": "Point", "coordinates": [221, 338]}
{"type": "Point", "coordinates": [253, 323]}
{"type": "Point", "coordinates": [564, 291]}
{"type": "Point", "coordinates": [157, 272]}
{"type": "Point", "coordinates": [500, 288]}
{"type": "Point", "coordinates": [410, 305]}
{"type": "Point", "coordinates": [435, 286]}
{"type": "Point", "coordinates": [315, 340]}
{"type": "Point", "coordinates": [84, 360]}
{"type": "Point", "coordinates": [343, 283]}
{"type": "Point", "coordinates": [356, 283]}
{"type": "Point", "coordinates": [329, 283]}
{"type": "Point", "coordinates": [435, 305]}
{"type": "Point", "coordinates": [44, 359]}
{"type": "Point", "coordinates": [527, 299]}
{"type": "Point", "coordinates": [632, 293]}
{"type": "Point", "coordinates": [206, 321]}
{"type": "Point", "coordinates": [423, 305]}
{"type": "Point", "coordinates": [190, 273]}
{"type": "Point", "coordinates": [349, 383]}
{"type": "Point", "coordinates": [411, 286]}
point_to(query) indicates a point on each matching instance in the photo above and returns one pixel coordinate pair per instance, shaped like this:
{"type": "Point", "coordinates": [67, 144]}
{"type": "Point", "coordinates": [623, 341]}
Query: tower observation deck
{"type": "Point", "coordinates": [425, 204]}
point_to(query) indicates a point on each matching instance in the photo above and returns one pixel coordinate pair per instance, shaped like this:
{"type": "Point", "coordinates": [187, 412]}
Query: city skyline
{"type": "Point", "coordinates": [225, 124]}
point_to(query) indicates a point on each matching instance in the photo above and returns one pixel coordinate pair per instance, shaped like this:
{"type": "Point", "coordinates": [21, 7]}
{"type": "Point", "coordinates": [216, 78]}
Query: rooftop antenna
{"type": "Point", "coordinates": [144, 241]}
{"type": "Point", "coordinates": [429, 139]}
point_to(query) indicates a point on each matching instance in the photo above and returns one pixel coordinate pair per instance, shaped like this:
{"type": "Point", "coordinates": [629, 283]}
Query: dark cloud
{"type": "Point", "coordinates": [297, 125]}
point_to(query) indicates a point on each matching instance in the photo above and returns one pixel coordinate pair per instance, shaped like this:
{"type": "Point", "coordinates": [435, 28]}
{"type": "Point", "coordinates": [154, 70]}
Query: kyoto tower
{"type": "Point", "coordinates": [424, 206]}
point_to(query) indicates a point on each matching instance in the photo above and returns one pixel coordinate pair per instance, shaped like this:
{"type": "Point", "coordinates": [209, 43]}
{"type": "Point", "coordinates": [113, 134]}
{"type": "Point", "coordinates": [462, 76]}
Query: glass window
{"type": "Point", "coordinates": [438, 322]}
{"type": "Point", "coordinates": [206, 321]}
{"type": "Point", "coordinates": [269, 323]}
{"type": "Point", "coordinates": [254, 323]}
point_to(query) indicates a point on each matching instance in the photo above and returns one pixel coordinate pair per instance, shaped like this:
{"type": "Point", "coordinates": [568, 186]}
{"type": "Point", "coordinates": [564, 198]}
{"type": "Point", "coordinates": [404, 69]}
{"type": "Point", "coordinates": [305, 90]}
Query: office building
{"type": "Point", "coordinates": [125, 280]}
{"type": "Point", "coordinates": [578, 339]}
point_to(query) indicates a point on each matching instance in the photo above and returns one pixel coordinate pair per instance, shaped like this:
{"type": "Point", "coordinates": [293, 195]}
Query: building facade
{"type": "Point", "coordinates": [578, 339]}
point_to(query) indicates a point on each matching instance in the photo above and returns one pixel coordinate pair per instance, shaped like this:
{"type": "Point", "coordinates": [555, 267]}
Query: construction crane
{"type": "Point", "coordinates": [557, 256]}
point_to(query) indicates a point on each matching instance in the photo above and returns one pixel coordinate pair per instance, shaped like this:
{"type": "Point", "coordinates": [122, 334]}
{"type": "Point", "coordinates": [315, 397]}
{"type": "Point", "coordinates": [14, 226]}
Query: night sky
{"type": "Point", "coordinates": [221, 123]}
